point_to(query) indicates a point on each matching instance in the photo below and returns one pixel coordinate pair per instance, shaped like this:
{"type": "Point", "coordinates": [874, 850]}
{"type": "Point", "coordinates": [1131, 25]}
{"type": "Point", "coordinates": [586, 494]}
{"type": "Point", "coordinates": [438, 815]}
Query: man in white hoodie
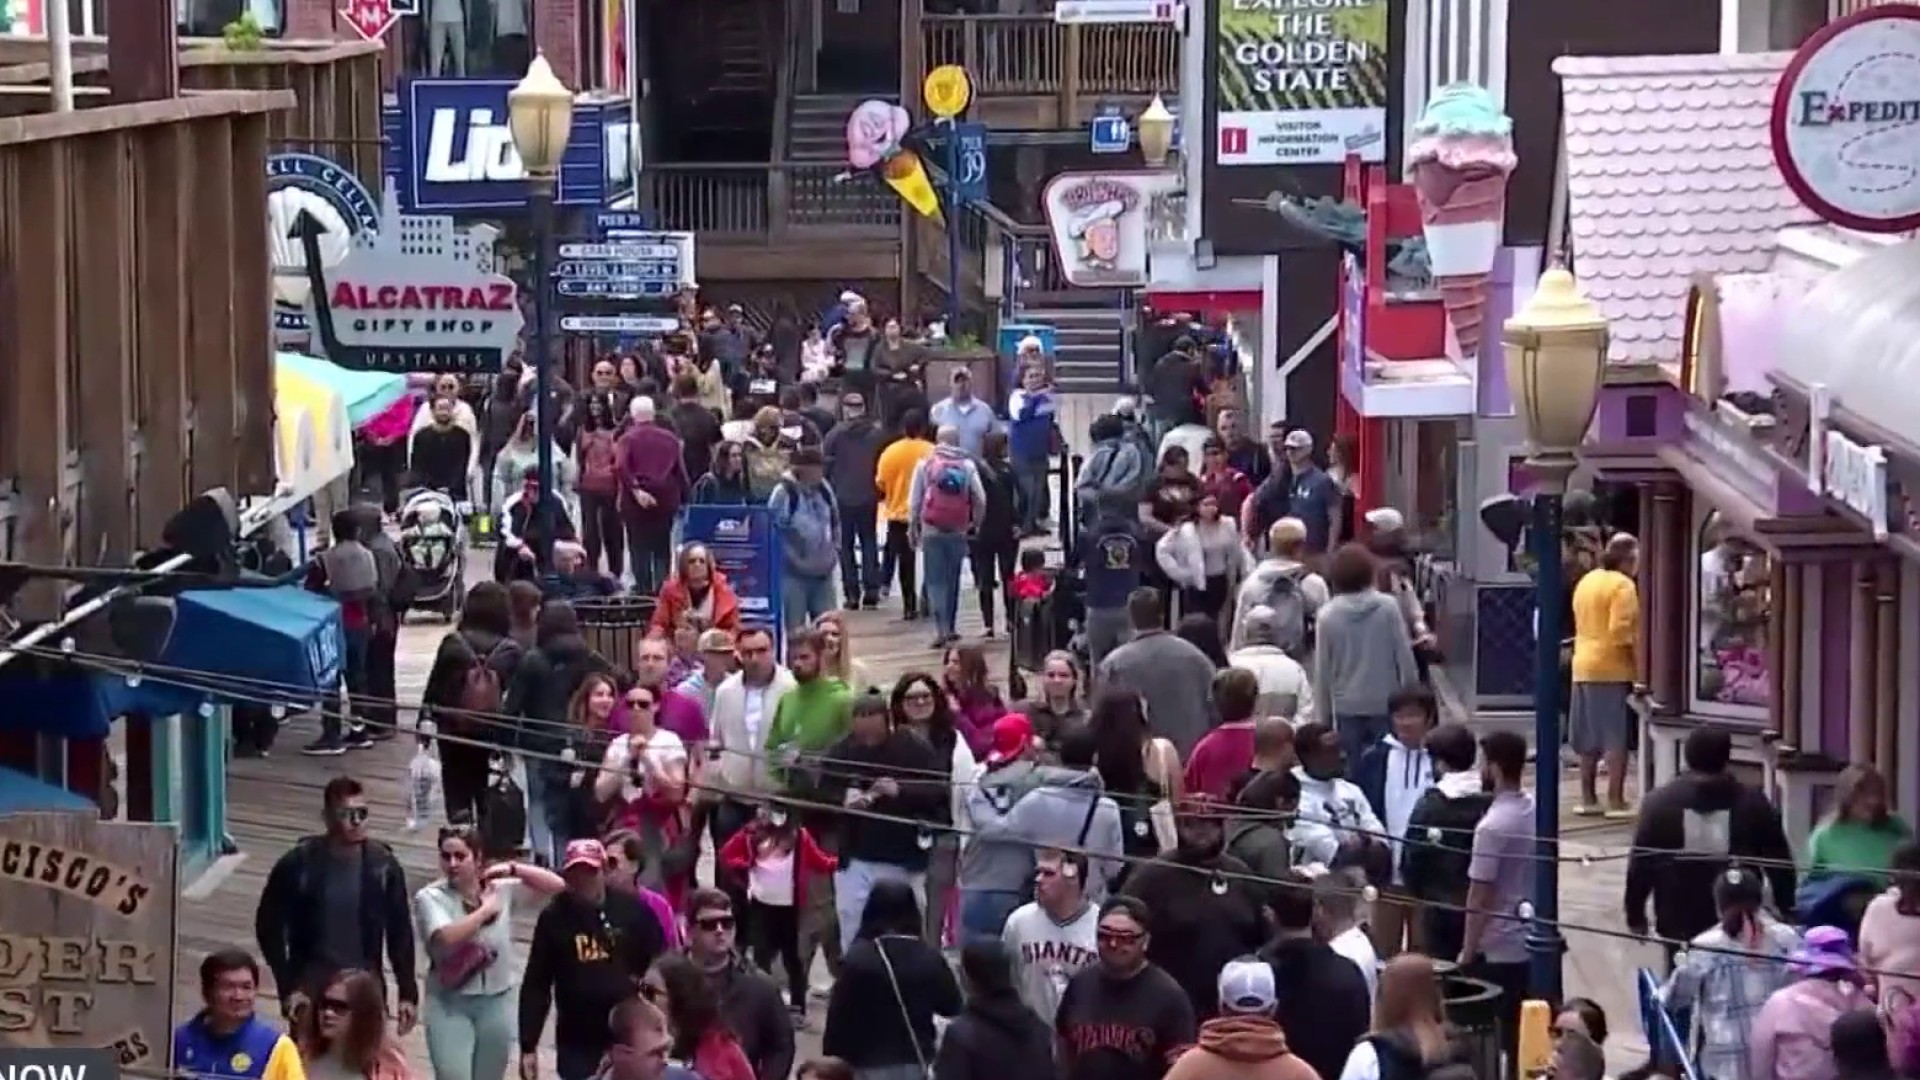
{"type": "Point", "coordinates": [1333, 809]}
{"type": "Point", "coordinates": [1394, 773]}
{"type": "Point", "coordinates": [1285, 690]}
{"type": "Point", "coordinates": [739, 721]}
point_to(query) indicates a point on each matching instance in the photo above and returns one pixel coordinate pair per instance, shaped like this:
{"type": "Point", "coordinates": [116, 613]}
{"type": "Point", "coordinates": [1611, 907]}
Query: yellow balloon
{"type": "Point", "coordinates": [947, 90]}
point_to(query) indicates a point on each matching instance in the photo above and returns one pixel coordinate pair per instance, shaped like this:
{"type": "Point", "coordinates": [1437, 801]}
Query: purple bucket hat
{"type": "Point", "coordinates": [1826, 950]}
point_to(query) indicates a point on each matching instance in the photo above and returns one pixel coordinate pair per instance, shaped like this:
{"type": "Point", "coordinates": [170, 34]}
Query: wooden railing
{"type": "Point", "coordinates": [1000, 258]}
{"type": "Point", "coordinates": [767, 200]}
{"type": "Point", "coordinates": [1031, 54]}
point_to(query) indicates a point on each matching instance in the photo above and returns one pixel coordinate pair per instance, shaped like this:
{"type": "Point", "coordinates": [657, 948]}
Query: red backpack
{"type": "Point", "coordinates": [946, 497]}
{"type": "Point", "coordinates": [479, 697]}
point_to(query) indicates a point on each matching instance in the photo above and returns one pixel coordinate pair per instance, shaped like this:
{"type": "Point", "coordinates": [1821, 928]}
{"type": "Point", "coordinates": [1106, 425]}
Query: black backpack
{"type": "Point", "coordinates": [1399, 1060]}
{"type": "Point", "coordinates": [503, 811]}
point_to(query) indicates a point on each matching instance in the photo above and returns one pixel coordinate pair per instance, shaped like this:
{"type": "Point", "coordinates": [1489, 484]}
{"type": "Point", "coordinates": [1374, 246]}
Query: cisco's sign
{"type": "Point", "coordinates": [449, 149]}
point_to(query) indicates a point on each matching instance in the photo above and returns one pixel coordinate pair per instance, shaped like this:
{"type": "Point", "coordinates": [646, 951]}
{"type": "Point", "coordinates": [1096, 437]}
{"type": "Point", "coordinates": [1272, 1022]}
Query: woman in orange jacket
{"type": "Point", "coordinates": [696, 586]}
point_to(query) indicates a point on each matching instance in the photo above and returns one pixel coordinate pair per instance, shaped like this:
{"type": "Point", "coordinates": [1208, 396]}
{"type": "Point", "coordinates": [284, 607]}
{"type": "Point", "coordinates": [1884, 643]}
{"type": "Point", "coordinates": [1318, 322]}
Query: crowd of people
{"type": "Point", "coordinates": [1225, 830]}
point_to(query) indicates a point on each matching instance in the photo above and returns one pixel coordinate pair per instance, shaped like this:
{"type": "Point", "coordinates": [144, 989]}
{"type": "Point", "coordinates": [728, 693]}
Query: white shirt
{"type": "Point", "coordinates": [661, 752]}
{"type": "Point", "coordinates": [1046, 954]}
{"type": "Point", "coordinates": [754, 714]}
{"type": "Point", "coordinates": [1354, 944]}
{"type": "Point", "coordinates": [1363, 1062]}
{"type": "Point", "coordinates": [770, 879]}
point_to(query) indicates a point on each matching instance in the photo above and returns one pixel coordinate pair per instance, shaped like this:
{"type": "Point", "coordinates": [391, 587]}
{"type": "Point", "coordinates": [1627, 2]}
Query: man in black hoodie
{"type": "Point", "coordinates": [697, 426]}
{"type": "Point", "coordinates": [590, 947]}
{"type": "Point", "coordinates": [1691, 828]}
{"type": "Point", "coordinates": [880, 769]}
{"type": "Point", "coordinates": [471, 671]}
{"type": "Point", "coordinates": [1433, 862]}
{"type": "Point", "coordinates": [852, 450]}
{"type": "Point", "coordinates": [336, 901]}
{"type": "Point", "coordinates": [1323, 997]}
{"type": "Point", "coordinates": [542, 687]}
{"type": "Point", "coordinates": [1204, 911]}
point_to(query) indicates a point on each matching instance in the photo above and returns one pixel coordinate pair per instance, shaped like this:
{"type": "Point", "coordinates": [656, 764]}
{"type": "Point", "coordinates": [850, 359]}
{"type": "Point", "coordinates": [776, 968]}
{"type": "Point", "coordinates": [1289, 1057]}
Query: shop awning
{"type": "Point", "coordinates": [23, 794]}
{"type": "Point", "coordinates": [1858, 332]}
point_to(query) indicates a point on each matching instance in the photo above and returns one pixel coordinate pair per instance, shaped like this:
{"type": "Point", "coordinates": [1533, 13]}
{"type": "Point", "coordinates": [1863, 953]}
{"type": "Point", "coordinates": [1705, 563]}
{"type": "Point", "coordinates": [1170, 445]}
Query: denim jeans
{"type": "Point", "coordinates": [548, 798]}
{"type": "Point", "coordinates": [1032, 478]}
{"type": "Point", "coordinates": [854, 881]}
{"type": "Point", "coordinates": [353, 673]}
{"type": "Point", "coordinates": [859, 551]}
{"type": "Point", "coordinates": [1358, 733]}
{"type": "Point", "coordinates": [804, 599]}
{"type": "Point", "coordinates": [944, 553]}
{"type": "Point", "coordinates": [470, 1036]}
{"type": "Point", "coordinates": [983, 913]}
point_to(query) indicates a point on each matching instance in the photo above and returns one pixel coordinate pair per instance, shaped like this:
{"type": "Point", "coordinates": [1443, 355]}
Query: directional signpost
{"type": "Point", "coordinates": [622, 280]}
{"type": "Point", "coordinates": [1110, 133]}
{"type": "Point", "coordinates": [619, 324]}
{"type": "Point", "coordinates": [618, 269]}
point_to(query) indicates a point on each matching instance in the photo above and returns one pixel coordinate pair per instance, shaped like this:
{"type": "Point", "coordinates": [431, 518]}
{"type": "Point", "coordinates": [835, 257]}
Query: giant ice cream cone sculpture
{"type": "Point", "coordinates": [1460, 161]}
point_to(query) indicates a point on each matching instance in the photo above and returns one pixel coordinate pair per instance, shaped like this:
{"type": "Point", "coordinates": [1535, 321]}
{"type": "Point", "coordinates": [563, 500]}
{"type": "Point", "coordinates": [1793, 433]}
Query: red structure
{"type": "Point", "coordinates": [1378, 328]}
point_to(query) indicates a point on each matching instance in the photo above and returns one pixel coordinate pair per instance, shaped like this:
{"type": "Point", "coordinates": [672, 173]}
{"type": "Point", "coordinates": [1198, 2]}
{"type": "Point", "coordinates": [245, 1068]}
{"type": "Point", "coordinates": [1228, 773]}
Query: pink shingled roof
{"type": "Point", "coordinates": [1669, 174]}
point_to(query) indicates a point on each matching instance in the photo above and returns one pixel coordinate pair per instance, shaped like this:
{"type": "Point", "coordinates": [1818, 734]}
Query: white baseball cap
{"type": "Point", "coordinates": [1246, 986]}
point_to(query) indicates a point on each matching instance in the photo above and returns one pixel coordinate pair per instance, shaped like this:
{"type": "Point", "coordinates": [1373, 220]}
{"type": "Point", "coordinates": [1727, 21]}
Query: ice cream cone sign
{"type": "Point", "coordinates": [1460, 159]}
{"type": "Point", "coordinates": [874, 133]}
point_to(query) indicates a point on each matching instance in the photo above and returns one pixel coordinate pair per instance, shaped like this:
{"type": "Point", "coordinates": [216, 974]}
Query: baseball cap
{"type": "Point", "coordinates": [1246, 986]}
{"type": "Point", "coordinates": [584, 853]}
{"type": "Point", "coordinates": [1386, 519]}
{"type": "Point", "coordinates": [715, 640]}
{"type": "Point", "coordinates": [1299, 439]}
{"type": "Point", "coordinates": [1012, 734]}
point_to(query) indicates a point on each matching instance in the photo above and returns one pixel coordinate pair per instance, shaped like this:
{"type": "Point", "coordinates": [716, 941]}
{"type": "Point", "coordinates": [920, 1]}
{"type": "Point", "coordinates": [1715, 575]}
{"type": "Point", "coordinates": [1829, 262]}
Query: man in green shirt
{"type": "Point", "coordinates": [813, 715]}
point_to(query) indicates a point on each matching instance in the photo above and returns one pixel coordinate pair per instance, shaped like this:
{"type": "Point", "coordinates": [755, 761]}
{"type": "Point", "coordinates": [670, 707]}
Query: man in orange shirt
{"type": "Point", "coordinates": [893, 475]}
{"type": "Point", "coordinates": [1606, 665]}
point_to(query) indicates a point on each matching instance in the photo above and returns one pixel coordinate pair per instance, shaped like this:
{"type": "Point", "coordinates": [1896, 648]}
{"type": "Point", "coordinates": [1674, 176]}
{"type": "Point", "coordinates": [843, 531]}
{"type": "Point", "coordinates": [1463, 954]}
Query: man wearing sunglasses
{"type": "Point", "coordinates": [749, 1001]}
{"type": "Point", "coordinates": [335, 902]}
{"type": "Point", "coordinates": [1123, 1018]}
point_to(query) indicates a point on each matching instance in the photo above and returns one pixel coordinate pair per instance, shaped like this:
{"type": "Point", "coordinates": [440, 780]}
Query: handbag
{"type": "Point", "coordinates": [462, 964]}
{"type": "Point", "coordinates": [880, 946]}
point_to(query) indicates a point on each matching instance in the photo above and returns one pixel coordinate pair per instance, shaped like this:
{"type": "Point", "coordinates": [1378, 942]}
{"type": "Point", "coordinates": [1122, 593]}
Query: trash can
{"type": "Point", "coordinates": [615, 626]}
{"type": "Point", "coordinates": [1473, 1013]}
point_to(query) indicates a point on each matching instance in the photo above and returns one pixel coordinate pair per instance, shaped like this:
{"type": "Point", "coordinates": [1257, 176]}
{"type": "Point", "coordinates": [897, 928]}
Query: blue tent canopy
{"type": "Point", "coordinates": [287, 642]}
{"type": "Point", "coordinates": [23, 794]}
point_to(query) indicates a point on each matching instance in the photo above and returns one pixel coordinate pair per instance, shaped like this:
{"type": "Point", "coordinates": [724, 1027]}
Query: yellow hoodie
{"type": "Point", "coordinates": [894, 474]}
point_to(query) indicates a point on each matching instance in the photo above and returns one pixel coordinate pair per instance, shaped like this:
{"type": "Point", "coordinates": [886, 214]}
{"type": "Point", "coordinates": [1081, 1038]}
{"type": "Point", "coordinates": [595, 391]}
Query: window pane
{"type": "Point", "coordinates": [1732, 618]}
{"type": "Point", "coordinates": [470, 39]}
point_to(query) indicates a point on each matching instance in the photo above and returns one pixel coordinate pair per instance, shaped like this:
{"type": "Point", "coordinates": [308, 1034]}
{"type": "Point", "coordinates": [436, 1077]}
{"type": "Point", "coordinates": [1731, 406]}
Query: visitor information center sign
{"type": "Point", "coordinates": [1301, 82]}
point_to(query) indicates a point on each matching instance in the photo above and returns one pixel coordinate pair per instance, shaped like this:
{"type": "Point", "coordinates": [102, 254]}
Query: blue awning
{"type": "Point", "coordinates": [23, 794]}
{"type": "Point", "coordinates": [287, 641]}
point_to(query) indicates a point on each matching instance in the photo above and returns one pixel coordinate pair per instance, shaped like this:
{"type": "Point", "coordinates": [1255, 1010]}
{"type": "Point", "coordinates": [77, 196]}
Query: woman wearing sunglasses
{"type": "Point", "coordinates": [643, 780]}
{"type": "Point", "coordinates": [701, 1039]}
{"type": "Point", "coordinates": [342, 1033]}
{"type": "Point", "coordinates": [466, 920]}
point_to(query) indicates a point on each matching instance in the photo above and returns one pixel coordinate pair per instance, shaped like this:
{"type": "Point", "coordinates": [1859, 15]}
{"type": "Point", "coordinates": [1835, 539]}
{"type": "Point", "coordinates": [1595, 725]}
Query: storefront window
{"type": "Point", "coordinates": [470, 39]}
{"type": "Point", "coordinates": [197, 18]}
{"type": "Point", "coordinates": [1733, 611]}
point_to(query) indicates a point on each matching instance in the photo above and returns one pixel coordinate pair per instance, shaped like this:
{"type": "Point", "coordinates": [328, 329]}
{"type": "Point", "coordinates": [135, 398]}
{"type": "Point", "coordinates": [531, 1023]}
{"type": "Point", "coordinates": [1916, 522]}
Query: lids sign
{"type": "Point", "coordinates": [1846, 121]}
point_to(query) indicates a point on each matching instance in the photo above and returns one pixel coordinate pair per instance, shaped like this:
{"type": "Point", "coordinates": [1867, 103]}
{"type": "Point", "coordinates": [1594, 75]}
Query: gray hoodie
{"type": "Point", "coordinates": [1007, 831]}
{"type": "Point", "coordinates": [1174, 677]}
{"type": "Point", "coordinates": [1362, 655]}
{"type": "Point", "coordinates": [853, 449]}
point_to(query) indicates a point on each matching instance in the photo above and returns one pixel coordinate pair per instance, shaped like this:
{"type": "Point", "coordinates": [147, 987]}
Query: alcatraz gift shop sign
{"type": "Point", "coordinates": [87, 936]}
{"type": "Point", "coordinates": [417, 295]}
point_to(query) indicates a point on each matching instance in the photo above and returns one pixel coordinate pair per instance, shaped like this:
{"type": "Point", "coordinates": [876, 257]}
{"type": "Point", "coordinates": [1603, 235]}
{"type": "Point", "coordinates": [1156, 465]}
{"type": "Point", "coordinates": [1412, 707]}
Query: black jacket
{"type": "Point", "coordinates": [287, 922]}
{"type": "Point", "coordinates": [865, 1027]}
{"type": "Point", "coordinates": [1682, 888]}
{"type": "Point", "coordinates": [437, 458]}
{"type": "Point", "coordinates": [459, 651]}
{"type": "Point", "coordinates": [582, 961]}
{"type": "Point", "coordinates": [1196, 932]}
{"type": "Point", "coordinates": [542, 687]}
{"type": "Point", "coordinates": [996, 1038]}
{"type": "Point", "coordinates": [754, 1012]}
{"type": "Point", "coordinates": [853, 450]}
{"type": "Point", "coordinates": [1436, 869]}
{"type": "Point", "coordinates": [1001, 520]}
{"type": "Point", "coordinates": [906, 758]}
{"type": "Point", "coordinates": [1324, 1007]}
{"type": "Point", "coordinates": [1172, 382]}
{"type": "Point", "coordinates": [699, 431]}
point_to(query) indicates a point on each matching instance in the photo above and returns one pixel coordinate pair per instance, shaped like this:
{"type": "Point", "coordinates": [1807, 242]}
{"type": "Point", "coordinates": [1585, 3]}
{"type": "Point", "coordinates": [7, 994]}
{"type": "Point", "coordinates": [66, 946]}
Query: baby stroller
{"type": "Point", "coordinates": [433, 544]}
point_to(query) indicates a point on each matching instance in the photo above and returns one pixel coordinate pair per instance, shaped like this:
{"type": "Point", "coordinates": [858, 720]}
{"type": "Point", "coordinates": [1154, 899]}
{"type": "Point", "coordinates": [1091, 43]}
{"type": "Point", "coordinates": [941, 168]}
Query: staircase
{"type": "Point", "coordinates": [741, 48]}
{"type": "Point", "coordinates": [817, 133]}
{"type": "Point", "coordinates": [817, 127]}
{"type": "Point", "coordinates": [1087, 353]}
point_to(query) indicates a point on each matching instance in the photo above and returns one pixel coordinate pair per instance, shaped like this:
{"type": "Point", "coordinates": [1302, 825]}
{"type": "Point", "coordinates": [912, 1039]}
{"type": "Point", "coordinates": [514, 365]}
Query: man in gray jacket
{"type": "Point", "coordinates": [1063, 808]}
{"type": "Point", "coordinates": [1173, 676]}
{"type": "Point", "coordinates": [853, 449]}
{"type": "Point", "coordinates": [1362, 653]}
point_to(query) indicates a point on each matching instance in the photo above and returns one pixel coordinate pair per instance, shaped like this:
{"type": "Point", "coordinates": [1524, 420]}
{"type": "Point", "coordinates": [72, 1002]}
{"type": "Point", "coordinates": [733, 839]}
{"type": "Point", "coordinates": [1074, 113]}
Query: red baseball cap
{"type": "Point", "coordinates": [1012, 734]}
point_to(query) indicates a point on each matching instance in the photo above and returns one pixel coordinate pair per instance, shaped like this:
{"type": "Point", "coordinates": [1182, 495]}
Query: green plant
{"type": "Point", "coordinates": [244, 34]}
{"type": "Point", "coordinates": [963, 341]}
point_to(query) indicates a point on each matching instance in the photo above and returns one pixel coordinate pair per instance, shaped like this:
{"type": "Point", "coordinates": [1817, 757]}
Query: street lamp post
{"type": "Point", "coordinates": [540, 117]}
{"type": "Point", "coordinates": [1556, 354]}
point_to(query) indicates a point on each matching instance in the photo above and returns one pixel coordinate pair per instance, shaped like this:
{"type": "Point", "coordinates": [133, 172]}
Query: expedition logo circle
{"type": "Point", "coordinates": [1846, 121]}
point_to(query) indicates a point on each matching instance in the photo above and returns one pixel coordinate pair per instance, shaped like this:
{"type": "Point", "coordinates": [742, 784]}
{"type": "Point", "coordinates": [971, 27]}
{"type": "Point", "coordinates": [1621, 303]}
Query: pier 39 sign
{"type": "Point", "coordinates": [87, 939]}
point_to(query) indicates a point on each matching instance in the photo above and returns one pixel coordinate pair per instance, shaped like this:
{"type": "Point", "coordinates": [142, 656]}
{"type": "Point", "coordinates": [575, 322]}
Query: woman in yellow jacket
{"type": "Point", "coordinates": [894, 473]}
{"type": "Point", "coordinates": [1606, 665]}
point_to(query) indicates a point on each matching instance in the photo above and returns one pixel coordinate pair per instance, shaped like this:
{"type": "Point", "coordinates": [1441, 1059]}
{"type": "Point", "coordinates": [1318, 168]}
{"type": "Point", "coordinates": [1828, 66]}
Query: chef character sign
{"type": "Point", "coordinates": [1098, 229]}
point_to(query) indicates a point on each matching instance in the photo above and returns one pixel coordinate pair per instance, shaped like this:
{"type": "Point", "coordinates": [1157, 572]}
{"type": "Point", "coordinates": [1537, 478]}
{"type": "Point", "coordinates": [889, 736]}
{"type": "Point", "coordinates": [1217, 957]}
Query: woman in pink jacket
{"type": "Point", "coordinates": [1790, 1036]}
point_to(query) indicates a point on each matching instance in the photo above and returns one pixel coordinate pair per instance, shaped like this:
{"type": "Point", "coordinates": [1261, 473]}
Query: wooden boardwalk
{"type": "Point", "coordinates": [276, 800]}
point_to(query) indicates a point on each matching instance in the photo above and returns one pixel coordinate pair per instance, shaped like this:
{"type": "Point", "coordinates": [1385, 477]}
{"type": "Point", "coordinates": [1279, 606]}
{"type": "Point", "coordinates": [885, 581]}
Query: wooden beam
{"type": "Point", "coordinates": [38, 265]}
{"type": "Point", "coordinates": [42, 127]}
{"type": "Point", "coordinates": [143, 46]}
{"type": "Point", "coordinates": [103, 348]}
{"type": "Point", "coordinates": [252, 310]}
{"type": "Point", "coordinates": [161, 181]}
{"type": "Point", "coordinates": [207, 262]}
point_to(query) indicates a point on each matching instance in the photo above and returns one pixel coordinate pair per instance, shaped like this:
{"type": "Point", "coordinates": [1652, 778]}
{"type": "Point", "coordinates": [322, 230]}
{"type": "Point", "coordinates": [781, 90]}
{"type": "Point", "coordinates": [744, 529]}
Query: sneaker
{"type": "Point", "coordinates": [988, 633]}
{"type": "Point", "coordinates": [357, 739]}
{"type": "Point", "coordinates": [871, 601]}
{"type": "Point", "coordinates": [325, 746]}
{"type": "Point", "coordinates": [909, 615]}
{"type": "Point", "coordinates": [798, 1015]}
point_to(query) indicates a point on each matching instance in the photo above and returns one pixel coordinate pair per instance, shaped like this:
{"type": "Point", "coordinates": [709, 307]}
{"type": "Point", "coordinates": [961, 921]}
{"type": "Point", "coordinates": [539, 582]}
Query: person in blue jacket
{"type": "Point", "coordinates": [227, 1038]}
{"type": "Point", "coordinates": [1030, 425]}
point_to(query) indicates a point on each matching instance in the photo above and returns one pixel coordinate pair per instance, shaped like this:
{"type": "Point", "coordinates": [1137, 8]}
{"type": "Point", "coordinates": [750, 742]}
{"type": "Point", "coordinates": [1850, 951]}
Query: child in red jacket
{"type": "Point", "coordinates": [777, 856]}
